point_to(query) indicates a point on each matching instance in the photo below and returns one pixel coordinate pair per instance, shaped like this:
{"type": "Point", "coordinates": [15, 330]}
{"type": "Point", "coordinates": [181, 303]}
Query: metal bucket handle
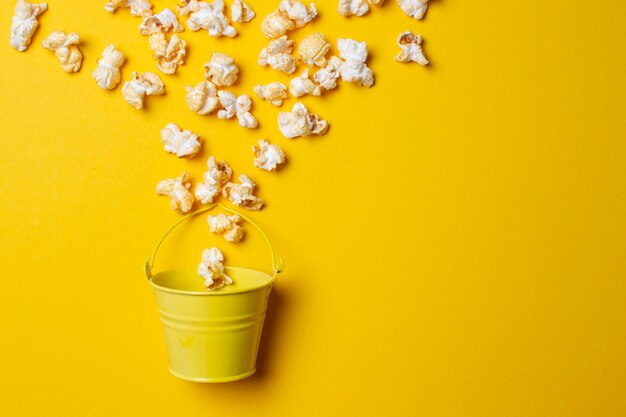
{"type": "Point", "coordinates": [277, 267]}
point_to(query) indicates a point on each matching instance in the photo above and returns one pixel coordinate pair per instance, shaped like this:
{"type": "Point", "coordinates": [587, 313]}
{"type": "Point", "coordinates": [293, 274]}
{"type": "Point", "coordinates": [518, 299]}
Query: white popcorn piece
{"type": "Point", "coordinates": [313, 49]}
{"type": "Point", "coordinates": [221, 70]}
{"type": "Point", "coordinates": [299, 122]}
{"type": "Point", "coordinates": [273, 92]}
{"type": "Point", "coordinates": [218, 174]}
{"type": "Point", "coordinates": [327, 76]}
{"type": "Point", "coordinates": [25, 23]}
{"type": "Point", "coordinates": [211, 269]}
{"type": "Point", "coordinates": [414, 8]}
{"type": "Point", "coordinates": [245, 118]}
{"type": "Point", "coordinates": [209, 16]}
{"type": "Point", "coordinates": [202, 98]}
{"type": "Point", "coordinates": [182, 143]}
{"type": "Point", "coordinates": [376, 2]}
{"type": "Point", "coordinates": [138, 8]}
{"type": "Point", "coordinates": [164, 21]}
{"type": "Point", "coordinates": [278, 55]}
{"type": "Point", "coordinates": [297, 12]}
{"type": "Point", "coordinates": [302, 85]}
{"type": "Point", "coordinates": [178, 190]}
{"type": "Point", "coordinates": [352, 7]}
{"type": "Point", "coordinates": [411, 48]}
{"type": "Point", "coordinates": [146, 84]}
{"type": "Point", "coordinates": [229, 103]}
{"type": "Point", "coordinates": [267, 156]}
{"type": "Point", "coordinates": [168, 54]}
{"type": "Point", "coordinates": [65, 47]}
{"type": "Point", "coordinates": [241, 12]}
{"type": "Point", "coordinates": [242, 194]}
{"type": "Point", "coordinates": [227, 226]}
{"type": "Point", "coordinates": [354, 69]}
{"type": "Point", "coordinates": [276, 24]}
{"type": "Point", "coordinates": [107, 73]}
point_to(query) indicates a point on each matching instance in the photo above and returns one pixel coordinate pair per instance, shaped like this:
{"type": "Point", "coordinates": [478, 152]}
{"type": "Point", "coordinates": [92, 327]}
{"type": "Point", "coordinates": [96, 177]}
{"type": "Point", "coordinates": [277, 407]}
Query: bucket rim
{"type": "Point", "coordinates": [212, 293]}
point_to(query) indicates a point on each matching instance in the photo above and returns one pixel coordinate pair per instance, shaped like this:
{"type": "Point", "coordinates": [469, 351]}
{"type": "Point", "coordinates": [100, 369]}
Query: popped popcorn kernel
{"type": "Point", "coordinates": [354, 69]}
{"type": "Point", "coordinates": [241, 12]}
{"type": "Point", "coordinates": [107, 73]}
{"type": "Point", "coordinates": [146, 84]}
{"type": "Point", "coordinates": [302, 85]}
{"type": "Point", "coordinates": [278, 55]}
{"type": "Point", "coordinates": [202, 98]}
{"type": "Point", "coordinates": [138, 8]}
{"type": "Point", "coordinates": [211, 269]}
{"type": "Point", "coordinates": [221, 70]}
{"type": "Point", "coordinates": [411, 48]}
{"type": "Point", "coordinates": [25, 23]}
{"type": "Point", "coordinates": [267, 156]}
{"type": "Point", "coordinates": [65, 47]}
{"type": "Point", "coordinates": [164, 21]}
{"type": "Point", "coordinates": [208, 16]}
{"type": "Point", "coordinates": [299, 122]}
{"type": "Point", "coordinates": [182, 143]}
{"type": "Point", "coordinates": [227, 226]}
{"type": "Point", "coordinates": [273, 92]}
{"type": "Point", "coordinates": [414, 8]}
{"type": "Point", "coordinates": [313, 49]}
{"type": "Point", "coordinates": [178, 190]}
{"type": "Point", "coordinates": [218, 174]}
{"type": "Point", "coordinates": [242, 194]}
{"type": "Point", "coordinates": [168, 54]}
{"type": "Point", "coordinates": [327, 77]}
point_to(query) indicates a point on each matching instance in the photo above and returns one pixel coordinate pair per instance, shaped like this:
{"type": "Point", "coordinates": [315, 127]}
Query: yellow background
{"type": "Point", "coordinates": [454, 244]}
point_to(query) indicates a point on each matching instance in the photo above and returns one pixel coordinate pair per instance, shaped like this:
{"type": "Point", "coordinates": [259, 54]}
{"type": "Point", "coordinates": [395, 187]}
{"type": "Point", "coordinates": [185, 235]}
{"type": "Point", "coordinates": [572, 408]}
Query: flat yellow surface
{"type": "Point", "coordinates": [455, 245]}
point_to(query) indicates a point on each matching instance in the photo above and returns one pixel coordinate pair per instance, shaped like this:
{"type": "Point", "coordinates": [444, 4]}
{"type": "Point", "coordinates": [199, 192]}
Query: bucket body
{"type": "Point", "coordinates": [212, 336]}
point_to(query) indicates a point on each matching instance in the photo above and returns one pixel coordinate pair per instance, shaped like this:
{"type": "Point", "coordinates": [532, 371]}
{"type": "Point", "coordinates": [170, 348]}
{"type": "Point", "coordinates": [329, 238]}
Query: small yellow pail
{"type": "Point", "coordinates": [212, 336]}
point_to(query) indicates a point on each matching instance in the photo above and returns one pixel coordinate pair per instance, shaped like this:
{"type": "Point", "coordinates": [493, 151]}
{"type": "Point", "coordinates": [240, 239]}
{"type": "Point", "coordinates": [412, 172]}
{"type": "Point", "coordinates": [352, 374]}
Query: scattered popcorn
{"type": "Point", "coordinates": [301, 123]}
{"type": "Point", "coordinates": [184, 144]}
{"type": "Point", "coordinates": [273, 92]}
{"type": "Point", "coordinates": [212, 269]}
{"type": "Point", "coordinates": [168, 55]}
{"type": "Point", "coordinates": [25, 23]}
{"type": "Point", "coordinates": [178, 190]}
{"type": "Point", "coordinates": [160, 22]}
{"type": "Point", "coordinates": [219, 173]}
{"type": "Point", "coordinates": [297, 12]}
{"type": "Point", "coordinates": [267, 156]}
{"type": "Point", "coordinates": [302, 85]}
{"type": "Point", "coordinates": [66, 49]}
{"type": "Point", "coordinates": [246, 119]}
{"type": "Point", "coordinates": [313, 49]}
{"type": "Point", "coordinates": [241, 12]}
{"type": "Point", "coordinates": [278, 55]}
{"type": "Point", "coordinates": [209, 16]}
{"type": "Point", "coordinates": [327, 76]}
{"type": "Point", "coordinates": [107, 73]}
{"type": "Point", "coordinates": [354, 68]}
{"type": "Point", "coordinates": [146, 84]}
{"type": "Point", "coordinates": [227, 226]}
{"type": "Point", "coordinates": [222, 69]}
{"type": "Point", "coordinates": [241, 194]}
{"type": "Point", "coordinates": [276, 24]}
{"type": "Point", "coordinates": [202, 98]}
{"type": "Point", "coordinates": [414, 8]}
{"type": "Point", "coordinates": [352, 7]}
{"type": "Point", "coordinates": [411, 48]}
{"type": "Point", "coordinates": [138, 8]}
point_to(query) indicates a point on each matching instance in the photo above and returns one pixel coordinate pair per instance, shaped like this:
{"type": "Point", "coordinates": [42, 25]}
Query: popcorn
{"type": "Point", "coordinates": [273, 92]}
{"type": "Point", "coordinates": [414, 8]}
{"type": "Point", "coordinates": [25, 23]}
{"type": "Point", "coordinates": [297, 12]}
{"type": "Point", "coordinates": [138, 8]}
{"type": "Point", "coordinates": [352, 7]}
{"type": "Point", "coordinates": [107, 73]}
{"type": "Point", "coordinates": [246, 119]}
{"type": "Point", "coordinates": [229, 103]}
{"type": "Point", "coordinates": [354, 68]}
{"type": "Point", "coordinates": [168, 55]}
{"type": "Point", "coordinates": [278, 55]}
{"type": "Point", "coordinates": [301, 123]}
{"type": "Point", "coordinates": [327, 76]}
{"type": "Point", "coordinates": [221, 69]}
{"type": "Point", "coordinates": [276, 24]}
{"type": "Point", "coordinates": [376, 2]}
{"type": "Point", "coordinates": [146, 84]}
{"type": "Point", "coordinates": [227, 226]}
{"type": "Point", "coordinates": [313, 49]}
{"type": "Point", "coordinates": [267, 156]}
{"type": "Point", "coordinates": [202, 98]}
{"type": "Point", "coordinates": [203, 15]}
{"type": "Point", "coordinates": [241, 194]}
{"type": "Point", "coordinates": [302, 85]}
{"type": "Point", "coordinates": [219, 173]}
{"type": "Point", "coordinates": [178, 190]}
{"type": "Point", "coordinates": [66, 49]}
{"type": "Point", "coordinates": [160, 22]}
{"type": "Point", "coordinates": [212, 269]}
{"type": "Point", "coordinates": [411, 48]}
{"type": "Point", "coordinates": [241, 12]}
{"type": "Point", "coordinates": [184, 144]}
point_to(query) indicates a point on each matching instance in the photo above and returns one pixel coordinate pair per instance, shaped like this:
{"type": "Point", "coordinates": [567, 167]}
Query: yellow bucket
{"type": "Point", "coordinates": [212, 336]}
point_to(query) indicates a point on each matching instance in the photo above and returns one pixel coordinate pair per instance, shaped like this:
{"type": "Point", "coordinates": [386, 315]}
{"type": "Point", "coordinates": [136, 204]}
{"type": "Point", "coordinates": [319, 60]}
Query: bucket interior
{"type": "Point", "coordinates": [186, 280]}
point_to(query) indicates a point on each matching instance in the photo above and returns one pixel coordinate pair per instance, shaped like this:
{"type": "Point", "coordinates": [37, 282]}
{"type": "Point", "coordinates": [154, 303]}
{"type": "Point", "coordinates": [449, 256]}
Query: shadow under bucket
{"type": "Point", "coordinates": [212, 336]}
